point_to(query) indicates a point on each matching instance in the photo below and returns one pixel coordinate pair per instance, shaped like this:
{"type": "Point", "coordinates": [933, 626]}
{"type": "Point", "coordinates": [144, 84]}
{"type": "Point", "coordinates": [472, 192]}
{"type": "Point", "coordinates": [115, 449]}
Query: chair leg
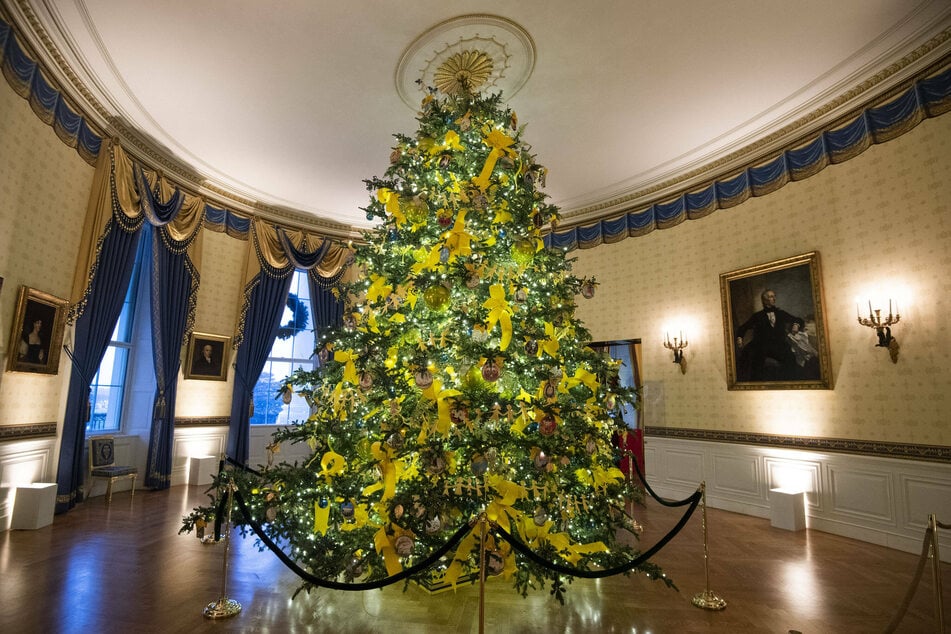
{"type": "Point", "coordinates": [133, 486]}
{"type": "Point", "coordinates": [109, 492]}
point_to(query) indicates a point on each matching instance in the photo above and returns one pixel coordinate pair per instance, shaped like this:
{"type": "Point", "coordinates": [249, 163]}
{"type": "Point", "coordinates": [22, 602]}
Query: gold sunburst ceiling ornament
{"type": "Point", "coordinates": [463, 73]}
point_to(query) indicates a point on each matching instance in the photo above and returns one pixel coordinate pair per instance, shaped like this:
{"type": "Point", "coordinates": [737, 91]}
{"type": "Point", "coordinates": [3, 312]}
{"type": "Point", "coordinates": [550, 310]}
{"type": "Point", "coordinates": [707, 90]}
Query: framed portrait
{"type": "Point", "coordinates": [207, 357]}
{"type": "Point", "coordinates": [37, 334]}
{"type": "Point", "coordinates": [774, 326]}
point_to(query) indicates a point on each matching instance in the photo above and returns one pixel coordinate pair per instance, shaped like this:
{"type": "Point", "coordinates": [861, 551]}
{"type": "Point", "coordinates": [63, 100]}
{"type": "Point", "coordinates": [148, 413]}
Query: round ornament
{"type": "Point", "coordinates": [547, 425]}
{"type": "Point", "coordinates": [404, 545]}
{"type": "Point", "coordinates": [398, 511]}
{"type": "Point", "coordinates": [531, 347]}
{"type": "Point", "coordinates": [550, 390]}
{"type": "Point", "coordinates": [354, 569]}
{"type": "Point", "coordinates": [444, 255]}
{"type": "Point", "coordinates": [590, 446]}
{"type": "Point", "coordinates": [366, 381]}
{"type": "Point", "coordinates": [541, 459]}
{"type": "Point", "coordinates": [540, 517]}
{"type": "Point", "coordinates": [270, 513]}
{"type": "Point", "coordinates": [287, 394]}
{"type": "Point", "coordinates": [610, 402]}
{"type": "Point", "coordinates": [437, 297]}
{"type": "Point", "coordinates": [494, 562]}
{"type": "Point", "coordinates": [395, 440]}
{"type": "Point", "coordinates": [523, 251]}
{"type": "Point", "coordinates": [437, 464]}
{"type": "Point", "coordinates": [395, 155]}
{"type": "Point", "coordinates": [479, 464]}
{"type": "Point", "coordinates": [490, 371]}
{"type": "Point", "coordinates": [473, 281]}
{"type": "Point", "coordinates": [423, 379]}
{"type": "Point", "coordinates": [433, 525]}
{"type": "Point", "coordinates": [347, 510]}
{"type": "Point", "coordinates": [324, 354]}
{"type": "Point", "coordinates": [416, 210]}
{"type": "Point", "coordinates": [587, 290]}
{"type": "Point", "coordinates": [349, 321]}
{"type": "Point", "coordinates": [444, 220]}
{"type": "Point", "coordinates": [521, 295]}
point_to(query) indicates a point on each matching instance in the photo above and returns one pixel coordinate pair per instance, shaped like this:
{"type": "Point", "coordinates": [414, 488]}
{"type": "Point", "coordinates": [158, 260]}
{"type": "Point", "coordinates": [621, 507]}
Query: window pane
{"type": "Point", "coordinates": [107, 391]}
{"type": "Point", "coordinates": [293, 348]}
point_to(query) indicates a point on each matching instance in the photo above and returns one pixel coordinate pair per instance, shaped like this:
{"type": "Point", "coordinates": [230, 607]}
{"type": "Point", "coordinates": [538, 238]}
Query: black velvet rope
{"type": "Point", "coordinates": [522, 548]}
{"type": "Point", "coordinates": [694, 500]}
{"type": "Point", "coordinates": [354, 587]}
{"type": "Point", "coordinates": [672, 503]}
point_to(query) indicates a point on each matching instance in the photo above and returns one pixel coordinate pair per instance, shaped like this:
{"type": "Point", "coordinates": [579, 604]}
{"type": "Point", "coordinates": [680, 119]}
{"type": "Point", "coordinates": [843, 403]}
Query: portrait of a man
{"type": "Point", "coordinates": [775, 334]}
{"type": "Point", "coordinates": [207, 357]}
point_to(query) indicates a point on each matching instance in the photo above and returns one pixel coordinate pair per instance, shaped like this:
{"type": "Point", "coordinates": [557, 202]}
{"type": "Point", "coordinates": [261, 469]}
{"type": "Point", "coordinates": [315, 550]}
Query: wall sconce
{"type": "Point", "coordinates": [678, 347]}
{"type": "Point", "coordinates": [882, 327]}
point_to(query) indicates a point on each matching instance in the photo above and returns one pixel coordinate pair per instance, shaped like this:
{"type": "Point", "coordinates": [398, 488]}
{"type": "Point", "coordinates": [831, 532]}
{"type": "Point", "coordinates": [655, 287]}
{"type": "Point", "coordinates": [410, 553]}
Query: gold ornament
{"type": "Point", "coordinates": [463, 73]}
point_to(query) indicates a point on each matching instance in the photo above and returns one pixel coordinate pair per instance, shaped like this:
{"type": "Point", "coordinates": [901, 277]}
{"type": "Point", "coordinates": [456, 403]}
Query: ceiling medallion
{"type": "Point", "coordinates": [463, 73]}
{"type": "Point", "coordinates": [490, 53]}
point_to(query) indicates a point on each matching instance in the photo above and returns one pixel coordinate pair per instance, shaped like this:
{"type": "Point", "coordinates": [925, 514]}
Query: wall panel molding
{"type": "Point", "coordinates": [881, 500]}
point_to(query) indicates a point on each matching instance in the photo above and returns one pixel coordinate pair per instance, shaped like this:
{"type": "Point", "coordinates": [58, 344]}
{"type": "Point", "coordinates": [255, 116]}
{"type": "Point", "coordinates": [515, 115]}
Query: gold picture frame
{"type": "Point", "coordinates": [36, 338]}
{"type": "Point", "coordinates": [788, 350]}
{"type": "Point", "coordinates": [198, 365]}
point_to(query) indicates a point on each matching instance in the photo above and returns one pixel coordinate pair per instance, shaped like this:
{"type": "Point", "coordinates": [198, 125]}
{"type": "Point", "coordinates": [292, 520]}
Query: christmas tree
{"type": "Point", "coordinates": [460, 385]}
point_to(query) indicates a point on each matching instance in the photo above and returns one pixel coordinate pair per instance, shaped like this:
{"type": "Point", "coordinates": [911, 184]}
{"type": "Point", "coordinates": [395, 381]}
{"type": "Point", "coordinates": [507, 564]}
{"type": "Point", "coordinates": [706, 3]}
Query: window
{"type": "Point", "coordinates": [108, 386]}
{"type": "Point", "coordinates": [293, 348]}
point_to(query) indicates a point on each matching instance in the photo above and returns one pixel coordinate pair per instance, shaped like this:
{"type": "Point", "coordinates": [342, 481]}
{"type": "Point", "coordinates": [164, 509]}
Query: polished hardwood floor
{"type": "Point", "coordinates": [125, 568]}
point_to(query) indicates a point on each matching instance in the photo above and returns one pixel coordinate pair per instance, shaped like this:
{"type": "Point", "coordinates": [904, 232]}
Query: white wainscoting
{"type": "Point", "coordinates": [213, 441]}
{"type": "Point", "coordinates": [23, 462]}
{"type": "Point", "coordinates": [883, 501]}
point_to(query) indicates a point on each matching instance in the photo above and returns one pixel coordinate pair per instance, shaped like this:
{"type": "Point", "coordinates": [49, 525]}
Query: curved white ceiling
{"type": "Point", "coordinates": [293, 104]}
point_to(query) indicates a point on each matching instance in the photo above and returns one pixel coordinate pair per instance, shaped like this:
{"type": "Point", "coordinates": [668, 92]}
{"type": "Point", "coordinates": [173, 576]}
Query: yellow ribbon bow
{"type": "Point", "coordinates": [347, 357]}
{"type": "Point", "coordinates": [501, 144]}
{"type": "Point", "coordinates": [499, 312]}
{"type": "Point", "coordinates": [332, 464]}
{"type": "Point", "coordinates": [550, 345]}
{"type": "Point", "coordinates": [458, 240]}
{"type": "Point", "coordinates": [379, 288]}
{"type": "Point", "coordinates": [443, 404]}
{"type": "Point", "coordinates": [391, 202]}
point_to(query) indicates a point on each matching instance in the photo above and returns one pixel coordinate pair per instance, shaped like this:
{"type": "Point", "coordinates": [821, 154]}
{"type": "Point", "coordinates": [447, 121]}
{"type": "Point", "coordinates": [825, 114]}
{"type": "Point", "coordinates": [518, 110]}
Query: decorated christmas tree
{"type": "Point", "coordinates": [460, 386]}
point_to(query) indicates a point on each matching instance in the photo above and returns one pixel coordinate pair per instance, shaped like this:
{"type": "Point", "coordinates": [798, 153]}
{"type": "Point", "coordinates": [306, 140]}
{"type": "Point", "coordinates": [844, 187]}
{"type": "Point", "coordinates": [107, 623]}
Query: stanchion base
{"type": "Point", "coordinates": [708, 600]}
{"type": "Point", "coordinates": [221, 609]}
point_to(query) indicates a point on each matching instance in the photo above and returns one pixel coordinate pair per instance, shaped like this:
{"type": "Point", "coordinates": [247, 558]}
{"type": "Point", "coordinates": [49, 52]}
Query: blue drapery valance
{"type": "Point", "coordinates": [928, 97]}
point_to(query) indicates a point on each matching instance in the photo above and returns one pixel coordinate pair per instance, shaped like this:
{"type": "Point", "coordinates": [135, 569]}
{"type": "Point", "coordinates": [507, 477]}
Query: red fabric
{"type": "Point", "coordinates": [631, 441]}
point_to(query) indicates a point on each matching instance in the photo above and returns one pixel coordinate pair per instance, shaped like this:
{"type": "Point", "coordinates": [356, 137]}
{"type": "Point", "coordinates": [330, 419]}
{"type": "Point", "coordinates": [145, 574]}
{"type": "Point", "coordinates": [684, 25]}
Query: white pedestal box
{"type": "Point", "coordinates": [787, 509]}
{"type": "Point", "coordinates": [34, 505]}
{"type": "Point", "coordinates": [201, 469]}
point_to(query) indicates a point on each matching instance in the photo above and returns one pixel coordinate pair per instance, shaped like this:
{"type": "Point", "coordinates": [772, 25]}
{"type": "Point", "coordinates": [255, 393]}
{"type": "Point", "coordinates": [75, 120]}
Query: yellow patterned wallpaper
{"type": "Point", "coordinates": [44, 187]}
{"type": "Point", "coordinates": [222, 272]}
{"type": "Point", "coordinates": [880, 222]}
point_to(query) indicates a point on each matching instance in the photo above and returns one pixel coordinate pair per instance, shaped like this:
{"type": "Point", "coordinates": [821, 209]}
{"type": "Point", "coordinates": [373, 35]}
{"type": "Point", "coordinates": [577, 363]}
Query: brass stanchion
{"type": "Point", "coordinates": [936, 571]}
{"type": "Point", "coordinates": [482, 530]}
{"type": "Point", "coordinates": [708, 600]}
{"type": "Point", "coordinates": [224, 607]}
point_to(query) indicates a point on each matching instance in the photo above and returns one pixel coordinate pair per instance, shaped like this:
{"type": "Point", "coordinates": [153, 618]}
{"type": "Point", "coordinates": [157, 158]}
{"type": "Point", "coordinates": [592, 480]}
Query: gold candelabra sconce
{"type": "Point", "coordinates": [883, 327]}
{"type": "Point", "coordinates": [677, 346]}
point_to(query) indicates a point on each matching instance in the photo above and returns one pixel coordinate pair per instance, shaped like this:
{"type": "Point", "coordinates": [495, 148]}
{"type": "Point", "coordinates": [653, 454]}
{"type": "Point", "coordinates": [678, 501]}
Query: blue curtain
{"type": "Point", "coordinates": [172, 281]}
{"type": "Point", "coordinates": [327, 309]}
{"type": "Point", "coordinates": [94, 330]}
{"type": "Point", "coordinates": [265, 305]}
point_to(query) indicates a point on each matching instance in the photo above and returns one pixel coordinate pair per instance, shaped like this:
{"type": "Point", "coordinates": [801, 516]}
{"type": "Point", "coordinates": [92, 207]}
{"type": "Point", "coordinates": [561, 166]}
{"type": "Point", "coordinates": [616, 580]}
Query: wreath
{"type": "Point", "coordinates": [298, 320]}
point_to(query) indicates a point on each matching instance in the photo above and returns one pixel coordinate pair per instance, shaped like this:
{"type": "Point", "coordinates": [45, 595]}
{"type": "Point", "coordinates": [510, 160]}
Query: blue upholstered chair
{"type": "Point", "coordinates": [102, 465]}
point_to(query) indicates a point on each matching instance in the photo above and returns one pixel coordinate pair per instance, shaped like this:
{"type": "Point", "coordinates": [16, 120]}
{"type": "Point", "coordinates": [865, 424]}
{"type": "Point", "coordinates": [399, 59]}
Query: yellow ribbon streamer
{"type": "Point", "coordinates": [550, 345]}
{"type": "Point", "coordinates": [390, 559]}
{"type": "Point", "coordinates": [321, 518]}
{"type": "Point", "coordinates": [501, 145]}
{"type": "Point", "coordinates": [458, 241]}
{"type": "Point", "coordinates": [499, 312]}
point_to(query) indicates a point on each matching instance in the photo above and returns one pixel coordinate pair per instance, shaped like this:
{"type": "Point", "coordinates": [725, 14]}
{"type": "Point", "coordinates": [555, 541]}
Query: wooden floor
{"type": "Point", "coordinates": [124, 568]}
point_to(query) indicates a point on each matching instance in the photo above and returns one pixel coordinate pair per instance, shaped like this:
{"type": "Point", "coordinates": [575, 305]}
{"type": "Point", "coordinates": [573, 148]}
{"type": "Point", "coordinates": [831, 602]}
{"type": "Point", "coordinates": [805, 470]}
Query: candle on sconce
{"type": "Point", "coordinates": [871, 314]}
{"type": "Point", "coordinates": [889, 307]}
